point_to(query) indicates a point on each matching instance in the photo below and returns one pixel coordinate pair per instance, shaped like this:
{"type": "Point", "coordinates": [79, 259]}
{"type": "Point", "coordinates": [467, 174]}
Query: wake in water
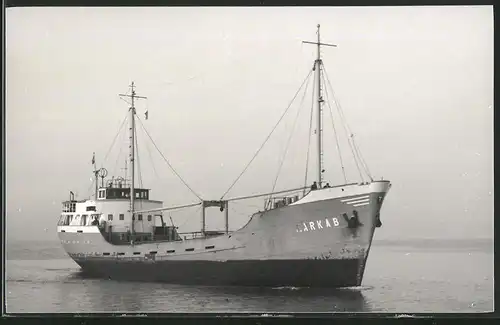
{"type": "Point", "coordinates": [287, 288]}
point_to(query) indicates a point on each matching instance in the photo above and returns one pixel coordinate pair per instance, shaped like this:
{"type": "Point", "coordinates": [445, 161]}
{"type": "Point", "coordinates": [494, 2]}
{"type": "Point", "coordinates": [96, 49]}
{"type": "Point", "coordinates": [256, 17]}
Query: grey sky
{"type": "Point", "coordinates": [415, 83]}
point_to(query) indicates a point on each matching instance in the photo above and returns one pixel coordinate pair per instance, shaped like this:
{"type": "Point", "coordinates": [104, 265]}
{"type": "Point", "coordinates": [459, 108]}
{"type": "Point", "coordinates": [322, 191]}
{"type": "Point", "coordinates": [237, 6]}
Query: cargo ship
{"type": "Point", "coordinates": [314, 235]}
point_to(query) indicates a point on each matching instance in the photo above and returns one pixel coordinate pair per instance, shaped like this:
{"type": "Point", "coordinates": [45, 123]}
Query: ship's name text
{"type": "Point", "coordinates": [318, 224]}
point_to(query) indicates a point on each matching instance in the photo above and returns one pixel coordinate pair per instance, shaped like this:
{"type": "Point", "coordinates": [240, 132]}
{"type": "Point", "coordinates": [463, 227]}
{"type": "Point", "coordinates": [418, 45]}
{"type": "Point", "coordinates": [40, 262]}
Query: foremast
{"type": "Point", "coordinates": [133, 96]}
{"type": "Point", "coordinates": [319, 101]}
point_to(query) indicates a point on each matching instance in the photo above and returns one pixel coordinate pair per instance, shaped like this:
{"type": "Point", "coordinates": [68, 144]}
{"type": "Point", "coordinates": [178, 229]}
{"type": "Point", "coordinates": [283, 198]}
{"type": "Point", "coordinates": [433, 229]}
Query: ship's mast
{"type": "Point", "coordinates": [133, 96]}
{"type": "Point", "coordinates": [95, 176]}
{"type": "Point", "coordinates": [319, 99]}
{"type": "Point", "coordinates": [320, 114]}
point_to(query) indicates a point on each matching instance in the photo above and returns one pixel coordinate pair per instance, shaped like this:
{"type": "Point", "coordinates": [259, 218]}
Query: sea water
{"type": "Point", "coordinates": [409, 276]}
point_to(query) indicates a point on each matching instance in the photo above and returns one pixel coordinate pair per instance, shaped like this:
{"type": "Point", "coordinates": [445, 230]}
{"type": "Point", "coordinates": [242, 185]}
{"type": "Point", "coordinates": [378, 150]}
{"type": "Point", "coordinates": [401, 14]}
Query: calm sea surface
{"type": "Point", "coordinates": [401, 277]}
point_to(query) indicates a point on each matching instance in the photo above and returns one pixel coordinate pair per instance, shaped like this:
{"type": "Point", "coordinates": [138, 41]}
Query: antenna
{"type": "Point", "coordinates": [317, 68]}
{"type": "Point", "coordinates": [133, 96]}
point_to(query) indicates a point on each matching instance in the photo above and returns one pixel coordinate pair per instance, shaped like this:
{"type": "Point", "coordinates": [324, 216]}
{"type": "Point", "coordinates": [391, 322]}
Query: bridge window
{"type": "Point", "coordinates": [110, 217]}
{"type": "Point", "coordinates": [189, 249]}
{"type": "Point", "coordinates": [91, 208]}
{"type": "Point", "coordinates": [149, 218]}
{"type": "Point", "coordinates": [122, 216]}
{"type": "Point", "coordinates": [69, 207]}
{"type": "Point", "coordinates": [139, 217]}
{"type": "Point", "coordinates": [65, 219]}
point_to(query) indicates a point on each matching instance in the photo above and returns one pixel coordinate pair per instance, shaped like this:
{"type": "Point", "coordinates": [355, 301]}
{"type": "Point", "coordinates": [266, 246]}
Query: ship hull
{"type": "Point", "coordinates": [267, 273]}
{"type": "Point", "coordinates": [310, 243]}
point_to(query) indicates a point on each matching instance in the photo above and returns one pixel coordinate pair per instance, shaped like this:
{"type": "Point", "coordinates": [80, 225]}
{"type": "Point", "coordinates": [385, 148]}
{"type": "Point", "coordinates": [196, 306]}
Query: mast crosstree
{"type": "Point", "coordinates": [319, 99]}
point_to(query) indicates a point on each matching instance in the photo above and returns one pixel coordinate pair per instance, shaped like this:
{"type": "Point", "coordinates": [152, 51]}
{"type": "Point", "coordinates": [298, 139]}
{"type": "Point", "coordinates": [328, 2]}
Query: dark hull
{"type": "Point", "coordinates": [270, 273]}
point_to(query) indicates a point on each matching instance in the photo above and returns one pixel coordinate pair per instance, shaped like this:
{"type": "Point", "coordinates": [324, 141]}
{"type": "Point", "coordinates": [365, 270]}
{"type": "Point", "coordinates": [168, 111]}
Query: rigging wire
{"type": "Point", "coordinates": [114, 140]}
{"type": "Point", "coordinates": [109, 150]}
{"type": "Point", "coordinates": [267, 138]}
{"type": "Point", "coordinates": [350, 135]}
{"type": "Point", "coordinates": [152, 162]}
{"type": "Point", "coordinates": [335, 133]}
{"type": "Point", "coordinates": [125, 99]}
{"type": "Point", "coordinates": [351, 146]}
{"type": "Point", "coordinates": [119, 154]}
{"type": "Point", "coordinates": [148, 149]}
{"type": "Point", "coordinates": [166, 160]}
{"type": "Point", "coordinates": [289, 140]}
{"type": "Point", "coordinates": [139, 175]}
{"type": "Point", "coordinates": [309, 141]}
{"type": "Point", "coordinates": [361, 158]}
{"type": "Point", "coordinates": [122, 140]}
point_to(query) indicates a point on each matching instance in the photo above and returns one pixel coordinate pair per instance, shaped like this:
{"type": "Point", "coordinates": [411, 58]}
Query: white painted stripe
{"type": "Point", "coordinates": [75, 229]}
{"type": "Point", "coordinates": [341, 192]}
{"type": "Point", "coordinates": [355, 198]}
{"type": "Point", "coordinates": [358, 201]}
{"type": "Point", "coordinates": [361, 204]}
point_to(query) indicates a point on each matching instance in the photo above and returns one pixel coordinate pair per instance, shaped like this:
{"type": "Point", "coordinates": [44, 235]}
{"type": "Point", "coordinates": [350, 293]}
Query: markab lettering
{"type": "Point", "coordinates": [310, 225]}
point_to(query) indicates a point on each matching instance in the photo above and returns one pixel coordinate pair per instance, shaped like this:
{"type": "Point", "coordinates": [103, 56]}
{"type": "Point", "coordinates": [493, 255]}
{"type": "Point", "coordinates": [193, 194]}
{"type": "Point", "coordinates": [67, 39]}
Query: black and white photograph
{"type": "Point", "coordinates": [262, 160]}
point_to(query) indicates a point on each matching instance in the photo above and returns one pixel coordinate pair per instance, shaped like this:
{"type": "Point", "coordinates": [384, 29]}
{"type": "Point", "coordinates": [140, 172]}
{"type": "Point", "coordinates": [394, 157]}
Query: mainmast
{"type": "Point", "coordinates": [319, 99]}
{"type": "Point", "coordinates": [133, 96]}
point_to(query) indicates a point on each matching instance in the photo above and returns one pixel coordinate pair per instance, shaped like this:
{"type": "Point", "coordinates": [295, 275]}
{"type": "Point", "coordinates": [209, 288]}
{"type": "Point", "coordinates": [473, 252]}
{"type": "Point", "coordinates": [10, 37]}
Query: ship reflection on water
{"type": "Point", "coordinates": [143, 297]}
{"type": "Point", "coordinates": [294, 300]}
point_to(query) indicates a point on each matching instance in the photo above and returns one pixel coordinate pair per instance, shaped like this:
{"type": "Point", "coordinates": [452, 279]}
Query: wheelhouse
{"type": "Point", "coordinates": [121, 193]}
